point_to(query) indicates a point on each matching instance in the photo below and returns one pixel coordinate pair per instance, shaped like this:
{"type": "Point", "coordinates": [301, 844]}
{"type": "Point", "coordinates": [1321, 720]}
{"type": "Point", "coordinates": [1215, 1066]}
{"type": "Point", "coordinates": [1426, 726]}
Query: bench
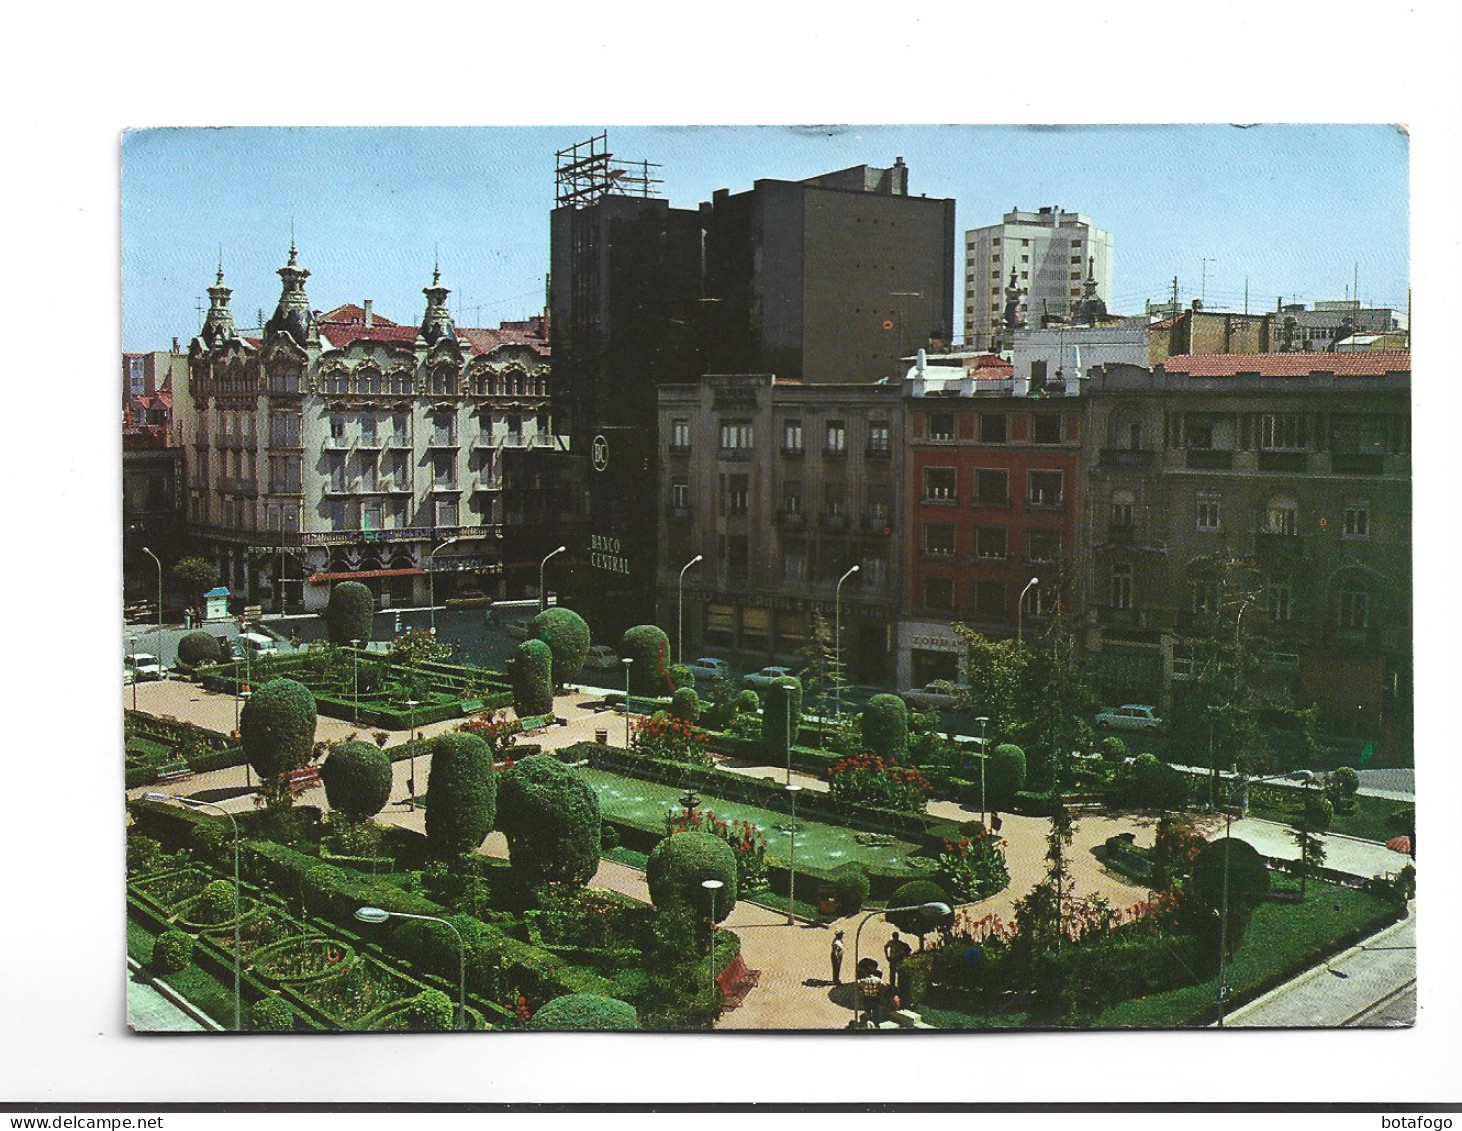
{"type": "Point", "coordinates": [298, 781]}
{"type": "Point", "coordinates": [174, 771]}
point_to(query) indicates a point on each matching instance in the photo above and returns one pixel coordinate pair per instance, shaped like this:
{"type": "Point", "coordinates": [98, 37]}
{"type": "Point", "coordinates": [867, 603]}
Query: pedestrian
{"type": "Point", "coordinates": [995, 822]}
{"type": "Point", "coordinates": [896, 950]}
{"type": "Point", "coordinates": [837, 958]}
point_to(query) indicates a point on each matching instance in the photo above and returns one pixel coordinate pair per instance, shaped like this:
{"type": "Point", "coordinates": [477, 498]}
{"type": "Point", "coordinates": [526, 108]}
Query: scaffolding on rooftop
{"type": "Point", "coordinates": [586, 172]}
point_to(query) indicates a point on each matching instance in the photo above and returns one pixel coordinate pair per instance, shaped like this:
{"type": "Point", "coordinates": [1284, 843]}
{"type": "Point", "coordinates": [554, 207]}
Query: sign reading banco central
{"type": "Point", "coordinates": [605, 554]}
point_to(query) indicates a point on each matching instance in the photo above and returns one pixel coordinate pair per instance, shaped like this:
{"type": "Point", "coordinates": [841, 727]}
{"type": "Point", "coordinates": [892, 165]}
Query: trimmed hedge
{"type": "Point", "coordinates": [685, 704]}
{"type": "Point", "coordinates": [915, 894]}
{"type": "Point", "coordinates": [531, 670]}
{"type": "Point", "coordinates": [680, 863]}
{"type": "Point", "coordinates": [272, 1014]}
{"type": "Point", "coordinates": [585, 1012]}
{"type": "Point", "coordinates": [199, 648]}
{"type": "Point", "coordinates": [1004, 775]}
{"type": "Point", "coordinates": [463, 792]}
{"type": "Point", "coordinates": [172, 951]}
{"type": "Point", "coordinates": [649, 649]}
{"type": "Point", "coordinates": [277, 726]}
{"type": "Point", "coordinates": [350, 613]}
{"type": "Point", "coordinates": [551, 819]}
{"type": "Point", "coordinates": [780, 718]}
{"type": "Point", "coordinates": [567, 636]}
{"type": "Point", "coordinates": [357, 777]}
{"type": "Point", "coordinates": [885, 726]}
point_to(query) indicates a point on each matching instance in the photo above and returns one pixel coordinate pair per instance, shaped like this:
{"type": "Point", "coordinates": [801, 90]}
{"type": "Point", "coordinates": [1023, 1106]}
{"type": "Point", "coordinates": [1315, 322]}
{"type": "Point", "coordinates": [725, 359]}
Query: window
{"type": "Point", "coordinates": [1121, 586]}
{"type": "Point", "coordinates": [335, 471]}
{"type": "Point", "coordinates": [873, 572]}
{"type": "Point", "coordinates": [1044, 488]}
{"type": "Point", "coordinates": [368, 472]}
{"type": "Point", "coordinates": [1357, 520]}
{"type": "Point", "coordinates": [339, 514]}
{"type": "Point", "coordinates": [792, 498]}
{"type": "Point", "coordinates": [1043, 546]}
{"type": "Point", "coordinates": [939, 485]}
{"type": "Point", "coordinates": [368, 432]}
{"type": "Point", "coordinates": [398, 429]}
{"type": "Point", "coordinates": [1208, 511]}
{"type": "Point", "coordinates": [444, 469]}
{"type": "Point", "coordinates": [398, 470]}
{"type": "Point", "coordinates": [992, 488]}
{"type": "Point", "coordinates": [736, 435]}
{"type": "Point", "coordinates": [992, 427]}
{"type": "Point", "coordinates": [1280, 600]}
{"type": "Point", "coordinates": [444, 428]}
{"type": "Point", "coordinates": [1282, 517]}
{"type": "Point", "coordinates": [833, 499]}
{"type": "Point", "coordinates": [794, 561]}
{"type": "Point", "coordinates": [837, 438]}
{"type": "Point", "coordinates": [445, 512]}
{"type": "Point", "coordinates": [990, 599]}
{"type": "Point", "coordinates": [1353, 607]}
{"type": "Point", "coordinates": [1183, 661]}
{"type": "Point", "coordinates": [878, 437]}
{"type": "Point", "coordinates": [941, 426]}
{"type": "Point", "coordinates": [680, 435]}
{"type": "Point", "coordinates": [792, 437]}
{"type": "Point", "coordinates": [734, 490]}
{"type": "Point", "coordinates": [1284, 433]}
{"type": "Point", "coordinates": [990, 543]}
{"type": "Point", "coordinates": [284, 430]}
{"type": "Point", "coordinates": [939, 593]}
{"type": "Point", "coordinates": [1205, 597]}
{"type": "Point", "coordinates": [1040, 601]}
{"type": "Point", "coordinates": [1122, 510]}
{"type": "Point", "coordinates": [1046, 427]}
{"type": "Point", "coordinates": [938, 540]}
{"type": "Point", "coordinates": [1038, 382]}
{"type": "Point", "coordinates": [680, 494]}
{"type": "Point", "coordinates": [370, 515]}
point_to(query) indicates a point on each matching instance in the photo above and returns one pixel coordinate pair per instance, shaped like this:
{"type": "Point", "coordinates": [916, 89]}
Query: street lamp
{"type": "Point", "coordinates": [928, 911]}
{"type": "Point", "coordinates": [984, 753]}
{"type": "Point", "coordinates": [411, 779]}
{"type": "Point", "coordinates": [355, 701]}
{"type": "Point", "coordinates": [194, 803]}
{"type": "Point", "coordinates": [792, 791]}
{"type": "Point", "coordinates": [1228, 833]}
{"type": "Point", "coordinates": [1020, 608]}
{"type": "Point", "coordinates": [431, 585]}
{"type": "Point", "coordinates": [153, 556]}
{"type": "Point", "coordinates": [376, 915]}
{"type": "Point", "coordinates": [680, 614]}
{"type": "Point", "coordinates": [838, 643]}
{"type": "Point", "coordinates": [712, 887]}
{"type": "Point", "coordinates": [627, 661]}
{"type": "Point", "coordinates": [542, 585]}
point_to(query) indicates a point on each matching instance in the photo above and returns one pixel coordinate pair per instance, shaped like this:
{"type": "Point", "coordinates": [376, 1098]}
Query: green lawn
{"type": "Point", "coordinates": [1367, 821]}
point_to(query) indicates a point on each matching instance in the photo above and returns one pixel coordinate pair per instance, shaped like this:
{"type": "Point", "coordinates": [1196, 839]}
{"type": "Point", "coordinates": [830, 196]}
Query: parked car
{"type": "Point", "coordinates": [766, 677]}
{"type": "Point", "coordinates": [601, 658]}
{"type": "Point", "coordinates": [141, 666]}
{"type": "Point", "coordinates": [518, 629]}
{"type": "Point", "coordinates": [708, 669]}
{"type": "Point", "coordinates": [256, 645]}
{"type": "Point", "coordinates": [1129, 716]}
{"type": "Point", "coordinates": [938, 694]}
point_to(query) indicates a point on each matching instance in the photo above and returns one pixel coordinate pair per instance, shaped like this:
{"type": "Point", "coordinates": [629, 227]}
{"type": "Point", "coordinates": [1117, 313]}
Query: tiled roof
{"type": "Point", "coordinates": [485, 340]}
{"type": "Point", "coordinates": [351, 313]}
{"type": "Point", "coordinates": [340, 335]}
{"type": "Point", "coordinates": [1369, 364]}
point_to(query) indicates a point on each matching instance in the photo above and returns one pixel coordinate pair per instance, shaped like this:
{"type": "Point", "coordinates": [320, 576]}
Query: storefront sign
{"type": "Point", "coordinates": [938, 643]}
{"type": "Point", "coordinates": [605, 554]}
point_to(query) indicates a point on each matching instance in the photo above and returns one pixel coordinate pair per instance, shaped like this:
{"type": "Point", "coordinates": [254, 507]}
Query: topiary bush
{"type": "Point", "coordinates": [850, 887]}
{"type": "Point", "coordinates": [685, 704]}
{"type": "Point", "coordinates": [199, 648]}
{"type": "Point", "coordinates": [550, 816]}
{"type": "Point", "coordinates": [1113, 749]}
{"type": "Point", "coordinates": [431, 1009]}
{"type": "Point", "coordinates": [350, 613]}
{"type": "Point", "coordinates": [1004, 775]}
{"type": "Point", "coordinates": [215, 903]}
{"type": "Point", "coordinates": [780, 718]}
{"type": "Point", "coordinates": [886, 727]}
{"type": "Point", "coordinates": [357, 777]}
{"type": "Point", "coordinates": [682, 676]}
{"type": "Point", "coordinates": [272, 1014]}
{"type": "Point", "coordinates": [914, 895]}
{"type": "Point", "coordinates": [585, 1012]}
{"type": "Point", "coordinates": [172, 951]}
{"type": "Point", "coordinates": [679, 864]}
{"type": "Point", "coordinates": [531, 672]}
{"type": "Point", "coordinates": [277, 727]}
{"type": "Point", "coordinates": [1248, 886]}
{"type": "Point", "coordinates": [1147, 783]}
{"type": "Point", "coordinates": [649, 649]}
{"type": "Point", "coordinates": [748, 702]}
{"type": "Point", "coordinates": [462, 799]}
{"type": "Point", "coordinates": [567, 636]}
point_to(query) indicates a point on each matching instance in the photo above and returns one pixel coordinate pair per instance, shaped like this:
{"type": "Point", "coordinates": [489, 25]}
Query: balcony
{"type": "Point", "coordinates": [989, 558]}
{"type": "Point", "coordinates": [877, 523]}
{"type": "Point", "coordinates": [679, 449]}
{"type": "Point", "coordinates": [1121, 535]}
{"type": "Point", "coordinates": [878, 453]}
{"type": "Point", "coordinates": [285, 442]}
{"type": "Point", "coordinates": [939, 554]}
{"type": "Point", "coordinates": [395, 487]}
{"type": "Point", "coordinates": [835, 453]}
{"type": "Point", "coordinates": [399, 441]}
{"type": "Point", "coordinates": [1124, 457]}
{"type": "Point", "coordinates": [444, 485]}
{"type": "Point", "coordinates": [1289, 548]}
{"type": "Point", "coordinates": [833, 523]}
{"type": "Point", "coordinates": [443, 440]}
{"type": "Point", "coordinates": [1045, 502]}
{"type": "Point", "coordinates": [791, 520]}
{"type": "Point", "coordinates": [336, 443]}
{"type": "Point", "coordinates": [1207, 459]}
{"type": "Point", "coordinates": [734, 453]}
{"type": "Point", "coordinates": [793, 452]}
{"type": "Point", "coordinates": [1357, 463]}
{"type": "Point", "coordinates": [1284, 461]}
{"type": "Point", "coordinates": [939, 500]}
{"type": "Point", "coordinates": [338, 487]}
{"type": "Point", "coordinates": [374, 442]}
{"type": "Point", "coordinates": [679, 514]}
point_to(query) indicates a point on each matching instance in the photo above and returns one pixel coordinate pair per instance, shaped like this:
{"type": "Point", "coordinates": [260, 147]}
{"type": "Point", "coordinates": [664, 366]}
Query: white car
{"type": "Point", "coordinates": [708, 669]}
{"type": "Point", "coordinates": [939, 694]}
{"type": "Point", "coordinates": [601, 658]}
{"type": "Point", "coordinates": [1130, 716]}
{"type": "Point", "coordinates": [766, 677]}
{"type": "Point", "coordinates": [142, 666]}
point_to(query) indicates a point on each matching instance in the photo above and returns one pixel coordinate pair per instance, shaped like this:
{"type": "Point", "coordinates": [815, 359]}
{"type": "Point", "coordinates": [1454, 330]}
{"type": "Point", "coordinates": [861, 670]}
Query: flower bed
{"type": "Point", "coordinates": [304, 958]}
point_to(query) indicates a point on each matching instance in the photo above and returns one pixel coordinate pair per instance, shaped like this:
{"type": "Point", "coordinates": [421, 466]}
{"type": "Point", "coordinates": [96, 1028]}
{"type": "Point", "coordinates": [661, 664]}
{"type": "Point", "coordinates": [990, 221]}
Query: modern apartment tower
{"type": "Point", "coordinates": [1046, 255]}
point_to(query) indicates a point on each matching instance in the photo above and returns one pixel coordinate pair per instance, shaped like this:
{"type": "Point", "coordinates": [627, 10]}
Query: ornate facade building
{"type": "Point", "coordinates": [342, 445]}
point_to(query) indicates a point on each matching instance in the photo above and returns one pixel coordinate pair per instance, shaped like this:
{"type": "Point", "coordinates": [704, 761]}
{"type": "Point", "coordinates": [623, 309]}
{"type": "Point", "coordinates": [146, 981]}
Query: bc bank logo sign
{"type": "Point", "coordinates": [601, 453]}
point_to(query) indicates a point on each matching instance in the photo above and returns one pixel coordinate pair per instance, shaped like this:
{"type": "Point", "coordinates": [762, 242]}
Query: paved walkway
{"type": "Point", "coordinates": [149, 1012]}
{"type": "Point", "coordinates": [1360, 858]}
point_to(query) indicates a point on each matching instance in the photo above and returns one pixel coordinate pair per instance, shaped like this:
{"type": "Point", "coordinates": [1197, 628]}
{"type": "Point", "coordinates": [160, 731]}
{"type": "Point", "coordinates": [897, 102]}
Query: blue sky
{"type": "Point", "coordinates": [1294, 209]}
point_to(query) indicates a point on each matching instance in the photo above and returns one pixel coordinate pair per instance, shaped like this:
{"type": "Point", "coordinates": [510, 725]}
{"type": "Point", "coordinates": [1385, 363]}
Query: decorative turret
{"type": "Point", "coordinates": [1090, 308]}
{"type": "Point", "coordinates": [218, 324]}
{"type": "Point", "coordinates": [436, 323]}
{"type": "Point", "coordinates": [293, 315]}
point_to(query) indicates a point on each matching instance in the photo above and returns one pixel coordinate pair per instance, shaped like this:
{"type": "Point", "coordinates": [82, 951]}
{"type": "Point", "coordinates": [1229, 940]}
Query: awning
{"type": "Point", "coordinates": [358, 574]}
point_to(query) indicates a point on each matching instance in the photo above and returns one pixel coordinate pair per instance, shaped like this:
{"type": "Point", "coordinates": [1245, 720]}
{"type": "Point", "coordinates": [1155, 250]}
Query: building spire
{"type": "Point", "coordinates": [218, 323]}
{"type": "Point", "coordinates": [292, 315]}
{"type": "Point", "coordinates": [436, 323]}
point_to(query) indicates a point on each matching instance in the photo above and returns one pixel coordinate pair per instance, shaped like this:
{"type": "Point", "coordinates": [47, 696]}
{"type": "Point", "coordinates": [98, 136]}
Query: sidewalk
{"type": "Point", "coordinates": [1361, 858]}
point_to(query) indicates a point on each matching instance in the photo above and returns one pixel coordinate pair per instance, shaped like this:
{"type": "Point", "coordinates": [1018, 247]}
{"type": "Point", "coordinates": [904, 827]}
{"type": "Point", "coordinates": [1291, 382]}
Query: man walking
{"type": "Point", "coordinates": [837, 958]}
{"type": "Point", "coordinates": [896, 950]}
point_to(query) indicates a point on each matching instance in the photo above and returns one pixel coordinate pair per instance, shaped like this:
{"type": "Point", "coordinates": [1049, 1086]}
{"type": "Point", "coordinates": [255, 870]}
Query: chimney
{"type": "Point", "coordinates": [175, 345]}
{"type": "Point", "coordinates": [370, 319]}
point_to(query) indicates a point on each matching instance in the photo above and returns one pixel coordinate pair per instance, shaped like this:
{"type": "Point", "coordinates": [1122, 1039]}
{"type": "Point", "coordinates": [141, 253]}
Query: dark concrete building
{"type": "Point", "coordinates": [829, 279]}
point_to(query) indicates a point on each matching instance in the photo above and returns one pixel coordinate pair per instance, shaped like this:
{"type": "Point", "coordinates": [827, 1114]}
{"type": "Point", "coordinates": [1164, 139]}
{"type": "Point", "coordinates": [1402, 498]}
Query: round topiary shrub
{"type": "Point", "coordinates": [1113, 749]}
{"type": "Point", "coordinates": [1004, 775]}
{"type": "Point", "coordinates": [649, 649]}
{"type": "Point", "coordinates": [215, 903]}
{"type": "Point", "coordinates": [682, 676]}
{"type": "Point", "coordinates": [780, 717]}
{"type": "Point", "coordinates": [431, 1009]}
{"type": "Point", "coordinates": [915, 895]}
{"type": "Point", "coordinates": [272, 1014]}
{"type": "Point", "coordinates": [277, 726]}
{"type": "Point", "coordinates": [1248, 885]}
{"type": "Point", "coordinates": [850, 887]}
{"type": "Point", "coordinates": [350, 613]}
{"type": "Point", "coordinates": [198, 648]}
{"type": "Point", "coordinates": [567, 636]}
{"type": "Point", "coordinates": [357, 777]}
{"type": "Point", "coordinates": [531, 672]}
{"type": "Point", "coordinates": [1148, 783]}
{"type": "Point", "coordinates": [886, 727]}
{"type": "Point", "coordinates": [550, 816]}
{"type": "Point", "coordinates": [462, 798]}
{"type": "Point", "coordinates": [172, 951]}
{"type": "Point", "coordinates": [679, 864]}
{"type": "Point", "coordinates": [685, 704]}
{"type": "Point", "coordinates": [585, 1012]}
{"type": "Point", "coordinates": [748, 702]}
